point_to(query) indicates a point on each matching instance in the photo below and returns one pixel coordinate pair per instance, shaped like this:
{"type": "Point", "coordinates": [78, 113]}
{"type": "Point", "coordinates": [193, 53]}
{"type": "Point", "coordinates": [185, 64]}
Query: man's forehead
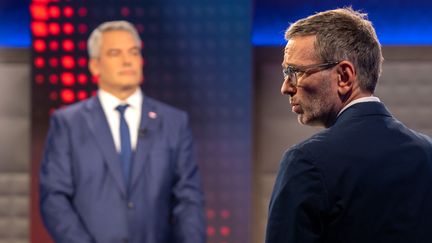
{"type": "Point", "coordinates": [300, 47]}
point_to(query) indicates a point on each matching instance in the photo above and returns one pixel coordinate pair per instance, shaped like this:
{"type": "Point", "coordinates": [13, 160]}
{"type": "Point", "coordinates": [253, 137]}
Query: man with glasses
{"type": "Point", "coordinates": [366, 177]}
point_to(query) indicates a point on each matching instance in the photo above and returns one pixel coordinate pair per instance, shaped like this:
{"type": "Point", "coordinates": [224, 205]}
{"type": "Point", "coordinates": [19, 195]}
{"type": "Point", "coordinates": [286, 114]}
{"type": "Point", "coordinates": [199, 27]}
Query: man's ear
{"type": "Point", "coordinates": [93, 66]}
{"type": "Point", "coordinates": [346, 77]}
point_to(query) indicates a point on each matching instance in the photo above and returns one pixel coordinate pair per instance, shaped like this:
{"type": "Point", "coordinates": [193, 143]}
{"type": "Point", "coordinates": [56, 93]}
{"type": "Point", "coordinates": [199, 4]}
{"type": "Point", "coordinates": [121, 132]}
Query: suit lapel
{"type": "Point", "coordinates": [150, 121]}
{"type": "Point", "coordinates": [98, 124]}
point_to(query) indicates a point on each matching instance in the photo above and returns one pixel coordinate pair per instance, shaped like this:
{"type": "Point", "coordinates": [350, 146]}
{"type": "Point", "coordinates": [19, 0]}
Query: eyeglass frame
{"type": "Point", "coordinates": [291, 73]}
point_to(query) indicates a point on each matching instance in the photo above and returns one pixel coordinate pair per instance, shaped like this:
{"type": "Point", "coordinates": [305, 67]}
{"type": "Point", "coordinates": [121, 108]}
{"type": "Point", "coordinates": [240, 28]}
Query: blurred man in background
{"type": "Point", "coordinates": [120, 166]}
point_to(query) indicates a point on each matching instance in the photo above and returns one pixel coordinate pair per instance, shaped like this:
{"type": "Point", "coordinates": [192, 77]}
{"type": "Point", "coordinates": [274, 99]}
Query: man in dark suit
{"type": "Point", "coordinates": [366, 177]}
{"type": "Point", "coordinates": [120, 166]}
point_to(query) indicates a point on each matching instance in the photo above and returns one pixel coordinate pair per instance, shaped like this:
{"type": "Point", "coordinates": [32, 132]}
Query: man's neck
{"type": "Point", "coordinates": [121, 94]}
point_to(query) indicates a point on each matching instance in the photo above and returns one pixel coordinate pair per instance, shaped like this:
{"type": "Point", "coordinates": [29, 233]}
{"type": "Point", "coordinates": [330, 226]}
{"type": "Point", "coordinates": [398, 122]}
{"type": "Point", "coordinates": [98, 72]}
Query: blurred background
{"type": "Point", "coordinates": [217, 59]}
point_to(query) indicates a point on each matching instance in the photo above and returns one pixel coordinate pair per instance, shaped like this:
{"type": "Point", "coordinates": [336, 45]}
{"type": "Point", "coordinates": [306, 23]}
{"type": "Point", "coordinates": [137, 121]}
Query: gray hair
{"type": "Point", "coordinates": [344, 34]}
{"type": "Point", "coordinates": [94, 41]}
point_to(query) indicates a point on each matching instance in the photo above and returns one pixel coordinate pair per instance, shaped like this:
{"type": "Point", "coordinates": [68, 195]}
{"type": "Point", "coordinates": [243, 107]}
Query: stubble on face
{"type": "Point", "coordinates": [316, 105]}
{"type": "Point", "coordinates": [314, 96]}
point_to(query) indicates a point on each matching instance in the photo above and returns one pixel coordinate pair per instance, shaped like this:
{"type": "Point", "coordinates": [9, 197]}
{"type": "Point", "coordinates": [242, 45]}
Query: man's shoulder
{"type": "Point", "coordinates": [317, 140]}
{"type": "Point", "coordinates": [163, 108]}
{"type": "Point", "coordinates": [75, 109]}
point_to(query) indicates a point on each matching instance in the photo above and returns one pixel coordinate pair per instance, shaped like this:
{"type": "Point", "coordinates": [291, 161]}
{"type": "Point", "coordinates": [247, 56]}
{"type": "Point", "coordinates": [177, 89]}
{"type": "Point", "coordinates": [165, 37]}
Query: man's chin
{"type": "Point", "coordinates": [308, 121]}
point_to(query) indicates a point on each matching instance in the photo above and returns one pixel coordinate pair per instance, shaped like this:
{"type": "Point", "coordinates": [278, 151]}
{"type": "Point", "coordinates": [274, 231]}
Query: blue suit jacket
{"type": "Point", "coordinates": [368, 178]}
{"type": "Point", "coordinates": [83, 195]}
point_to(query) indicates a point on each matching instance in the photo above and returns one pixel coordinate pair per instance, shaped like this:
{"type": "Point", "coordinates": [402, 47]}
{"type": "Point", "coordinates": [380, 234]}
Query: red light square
{"type": "Point", "coordinates": [68, 45]}
{"type": "Point", "coordinates": [68, 79]}
{"type": "Point", "coordinates": [54, 11]}
{"type": "Point", "coordinates": [68, 28]}
{"type": "Point", "coordinates": [39, 29]}
{"type": "Point", "coordinates": [68, 11]}
{"type": "Point", "coordinates": [67, 96]}
{"type": "Point", "coordinates": [53, 45]}
{"type": "Point", "coordinates": [39, 11]}
{"type": "Point", "coordinates": [39, 45]}
{"type": "Point", "coordinates": [54, 28]}
{"type": "Point", "coordinates": [68, 62]}
{"type": "Point", "coordinates": [39, 62]}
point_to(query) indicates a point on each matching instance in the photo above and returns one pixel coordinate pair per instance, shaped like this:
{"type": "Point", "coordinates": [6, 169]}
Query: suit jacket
{"type": "Point", "coordinates": [368, 178]}
{"type": "Point", "coordinates": [84, 197]}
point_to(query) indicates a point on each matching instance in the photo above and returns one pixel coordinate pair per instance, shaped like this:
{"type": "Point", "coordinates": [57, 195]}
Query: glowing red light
{"type": "Point", "coordinates": [53, 95]}
{"type": "Point", "coordinates": [225, 214]}
{"type": "Point", "coordinates": [54, 45]}
{"type": "Point", "coordinates": [68, 62]}
{"type": "Point", "coordinates": [82, 12]}
{"type": "Point", "coordinates": [125, 11]}
{"type": "Point", "coordinates": [39, 62]}
{"type": "Point", "coordinates": [53, 62]}
{"type": "Point", "coordinates": [211, 214]}
{"type": "Point", "coordinates": [54, 11]}
{"type": "Point", "coordinates": [54, 28]}
{"type": "Point", "coordinates": [39, 45]}
{"type": "Point", "coordinates": [41, 1]}
{"type": "Point", "coordinates": [53, 79]}
{"type": "Point", "coordinates": [82, 28]}
{"type": "Point", "coordinates": [39, 29]}
{"type": "Point", "coordinates": [67, 79]}
{"type": "Point", "coordinates": [82, 78]}
{"type": "Point", "coordinates": [95, 79]}
{"type": "Point", "coordinates": [211, 231]}
{"type": "Point", "coordinates": [94, 92]}
{"type": "Point", "coordinates": [82, 95]}
{"type": "Point", "coordinates": [225, 231]}
{"type": "Point", "coordinates": [68, 28]}
{"type": "Point", "coordinates": [68, 11]}
{"type": "Point", "coordinates": [82, 62]}
{"type": "Point", "coordinates": [68, 45]}
{"type": "Point", "coordinates": [39, 79]}
{"type": "Point", "coordinates": [39, 12]}
{"type": "Point", "coordinates": [82, 45]}
{"type": "Point", "coordinates": [67, 96]}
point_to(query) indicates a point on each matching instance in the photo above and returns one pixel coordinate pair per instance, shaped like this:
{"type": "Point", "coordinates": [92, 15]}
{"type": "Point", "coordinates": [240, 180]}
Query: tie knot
{"type": "Point", "coordinates": [122, 108]}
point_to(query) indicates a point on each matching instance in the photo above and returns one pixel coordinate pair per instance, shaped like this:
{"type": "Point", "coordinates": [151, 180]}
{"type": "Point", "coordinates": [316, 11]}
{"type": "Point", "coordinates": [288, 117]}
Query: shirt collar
{"type": "Point", "coordinates": [360, 100]}
{"type": "Point", "coordinates": [111, 102]}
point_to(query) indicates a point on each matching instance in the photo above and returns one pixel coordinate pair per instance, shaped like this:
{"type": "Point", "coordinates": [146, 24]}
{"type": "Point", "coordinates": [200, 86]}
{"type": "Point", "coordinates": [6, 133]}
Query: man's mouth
{"type": "Point", "coordinates": [296, 108]}
{"type": "Point", "coordinates": [127, 72]}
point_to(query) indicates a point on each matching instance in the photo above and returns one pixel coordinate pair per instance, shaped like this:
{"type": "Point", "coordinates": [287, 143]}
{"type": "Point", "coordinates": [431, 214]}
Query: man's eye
{"type": "Point", "coordinates": [300, 73]}
{"type": "Point", "coordinates": [135, 52]}
{"type": "Point", "coordinates": [113, 53]}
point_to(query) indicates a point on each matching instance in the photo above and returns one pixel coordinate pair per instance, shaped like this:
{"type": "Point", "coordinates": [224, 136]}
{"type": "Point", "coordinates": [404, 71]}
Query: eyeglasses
{"type": "Point", "coordinates": [291, 73]}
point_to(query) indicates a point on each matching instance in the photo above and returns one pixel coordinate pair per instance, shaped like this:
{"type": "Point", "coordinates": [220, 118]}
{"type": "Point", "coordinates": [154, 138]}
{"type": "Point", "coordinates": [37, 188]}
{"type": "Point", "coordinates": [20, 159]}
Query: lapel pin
{"type": "Point", "coordinates": [152, 115]}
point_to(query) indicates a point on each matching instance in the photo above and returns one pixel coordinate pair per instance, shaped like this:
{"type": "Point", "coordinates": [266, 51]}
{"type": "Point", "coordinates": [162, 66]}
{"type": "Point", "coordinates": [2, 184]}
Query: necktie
{"type": "Point", "coordinates": [125, 150]}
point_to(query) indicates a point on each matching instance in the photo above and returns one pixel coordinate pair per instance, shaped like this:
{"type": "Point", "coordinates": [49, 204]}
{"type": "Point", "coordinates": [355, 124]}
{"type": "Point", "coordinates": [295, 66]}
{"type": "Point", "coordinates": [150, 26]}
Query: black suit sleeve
{"type": "Point", "coordinates": [298, 201]}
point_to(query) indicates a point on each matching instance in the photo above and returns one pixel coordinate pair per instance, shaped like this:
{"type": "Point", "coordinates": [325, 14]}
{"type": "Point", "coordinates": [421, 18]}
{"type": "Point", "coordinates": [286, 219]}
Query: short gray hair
{"type": "Point", "coordinates": [94, 41]}
{"type": "Point", "coordinates": [344, 34]}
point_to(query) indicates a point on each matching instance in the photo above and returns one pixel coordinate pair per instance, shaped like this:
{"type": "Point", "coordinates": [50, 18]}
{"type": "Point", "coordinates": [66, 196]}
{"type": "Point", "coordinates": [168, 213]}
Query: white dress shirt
{"type": "Point", "coordinates": [360, 100]}
{"type": "Point", "coordinates": [132, 115]}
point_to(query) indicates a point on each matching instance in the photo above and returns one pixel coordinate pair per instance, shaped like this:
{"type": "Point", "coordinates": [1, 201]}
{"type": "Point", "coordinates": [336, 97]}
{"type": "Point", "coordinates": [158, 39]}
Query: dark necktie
{"type": "Point", "coordinates": [126, 150]}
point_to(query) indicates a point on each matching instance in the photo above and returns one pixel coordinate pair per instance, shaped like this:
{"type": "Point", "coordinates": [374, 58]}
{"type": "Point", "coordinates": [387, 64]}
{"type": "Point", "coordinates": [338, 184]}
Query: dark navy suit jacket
{"type": "Point", "coordinates": [83, 195]}
{"type": "Point", "coordinates": [368, 178]}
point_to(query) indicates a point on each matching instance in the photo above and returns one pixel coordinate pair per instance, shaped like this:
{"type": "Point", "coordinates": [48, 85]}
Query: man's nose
{"type": "Point", "coordinates": [287, 88]}
{"type": "Point", "coordinates": [126, 59]}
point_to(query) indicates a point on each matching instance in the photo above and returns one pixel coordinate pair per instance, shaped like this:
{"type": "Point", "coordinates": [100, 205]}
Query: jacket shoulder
{"type": "Point", "coordinates": [165, 109]}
